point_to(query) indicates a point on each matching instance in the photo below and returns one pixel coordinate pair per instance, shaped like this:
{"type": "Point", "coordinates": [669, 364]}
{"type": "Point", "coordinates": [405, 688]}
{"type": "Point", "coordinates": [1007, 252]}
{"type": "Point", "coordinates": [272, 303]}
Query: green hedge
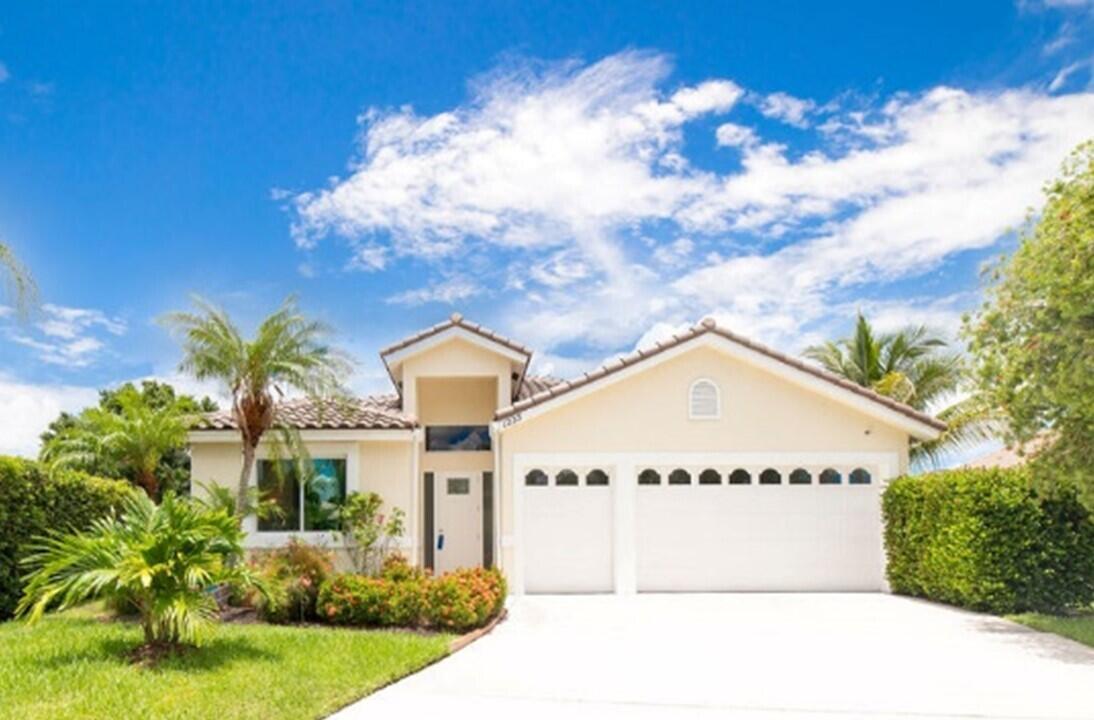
{"type": "Point", "coordinates": [986, 540]}
{"type": "Point", "coordinates": [32, 503]}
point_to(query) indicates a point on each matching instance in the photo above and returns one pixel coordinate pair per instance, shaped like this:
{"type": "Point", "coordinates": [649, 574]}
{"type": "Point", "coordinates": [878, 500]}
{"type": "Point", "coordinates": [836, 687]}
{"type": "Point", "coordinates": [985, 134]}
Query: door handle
{"type": "Point", "coordinates": [440, 540]}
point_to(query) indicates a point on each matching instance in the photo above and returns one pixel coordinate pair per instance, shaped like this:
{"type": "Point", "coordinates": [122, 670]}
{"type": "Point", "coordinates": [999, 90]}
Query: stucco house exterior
{"type": "Point", "coordinates": [707, 462]}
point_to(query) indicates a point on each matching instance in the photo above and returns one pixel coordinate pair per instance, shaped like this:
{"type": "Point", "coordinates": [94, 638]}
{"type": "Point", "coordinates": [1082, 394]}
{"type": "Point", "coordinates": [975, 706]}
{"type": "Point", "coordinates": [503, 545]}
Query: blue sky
{"type": "Point", "coordinates": [583, 176]}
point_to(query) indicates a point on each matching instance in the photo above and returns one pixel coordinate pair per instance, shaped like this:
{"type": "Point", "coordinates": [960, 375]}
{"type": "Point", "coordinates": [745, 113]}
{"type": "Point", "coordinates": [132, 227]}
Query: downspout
{"type": "Point", "coordinates": [495, 440]}
{"type": "Point", "coordinates": [415, 498]}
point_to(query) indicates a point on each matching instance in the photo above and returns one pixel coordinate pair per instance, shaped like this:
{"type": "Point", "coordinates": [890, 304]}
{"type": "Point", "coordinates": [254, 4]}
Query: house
{"type": "Point", "coordinates": [708, 462]}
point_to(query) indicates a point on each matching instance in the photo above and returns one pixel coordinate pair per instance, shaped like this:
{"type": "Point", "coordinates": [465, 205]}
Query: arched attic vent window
{"type": "Point", "coordinates": [704, 400]}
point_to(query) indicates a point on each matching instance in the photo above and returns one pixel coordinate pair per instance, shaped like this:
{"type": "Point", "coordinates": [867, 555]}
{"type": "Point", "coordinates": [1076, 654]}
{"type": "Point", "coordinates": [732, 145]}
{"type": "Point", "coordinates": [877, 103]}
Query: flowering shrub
{"type": "Point", "coordinates": [465, 599]}
{"type": "Point", "coordinates": [292, 576]}
{"type": "Point", "coordinates": [404, 596]}
{"type": "Point", "coordinates": [363, 600]}
{"type": "Point", "coordinates": [397, 568]}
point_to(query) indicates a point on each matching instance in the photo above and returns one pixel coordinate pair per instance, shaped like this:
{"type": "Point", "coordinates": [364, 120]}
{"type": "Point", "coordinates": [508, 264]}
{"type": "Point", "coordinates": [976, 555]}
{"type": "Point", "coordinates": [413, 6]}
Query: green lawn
{"type": "Point", "coordinates": [73, 666]}
{"type": "Point", "coordinates": [1079, 628]}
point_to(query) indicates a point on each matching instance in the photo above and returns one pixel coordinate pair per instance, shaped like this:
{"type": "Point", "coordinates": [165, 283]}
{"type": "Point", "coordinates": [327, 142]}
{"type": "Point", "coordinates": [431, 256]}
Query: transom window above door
{"type": "Point", "coordinates": [303, 504]}
{"type": "Point", "coordinates": [457, 438]}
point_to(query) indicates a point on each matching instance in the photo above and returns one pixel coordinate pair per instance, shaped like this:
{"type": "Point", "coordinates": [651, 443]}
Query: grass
{"type": "Point", "coordinates": [73, 666]}
{"type": "Point", "coordinates": [1079, 627]}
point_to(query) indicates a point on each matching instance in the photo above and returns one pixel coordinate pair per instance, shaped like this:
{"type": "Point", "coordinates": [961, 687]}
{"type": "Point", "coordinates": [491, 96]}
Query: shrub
{"type": "Point", "coordinates": [985, 539]}
{"type": "Point", "coordinates": [397, 568]}
{"type": "Point", "coordinates": [33, 502]}
{"type": "Point", "coordinates": [465, 599]}
{"type": "Point", "coordinates": [408, 597]}
{"type": "Point", "coordinates": [377, 602]}
{"type": "Point", "coordinates": [292, 576]}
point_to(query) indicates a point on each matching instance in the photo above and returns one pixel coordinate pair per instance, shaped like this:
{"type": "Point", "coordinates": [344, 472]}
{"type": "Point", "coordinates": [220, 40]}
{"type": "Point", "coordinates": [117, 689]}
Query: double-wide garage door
{"type": "Point", "coordinates": [704, 529]}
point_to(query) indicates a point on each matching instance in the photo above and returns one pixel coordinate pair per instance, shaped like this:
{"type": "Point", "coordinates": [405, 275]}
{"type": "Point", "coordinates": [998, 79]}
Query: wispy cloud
{"type": "Point", "coordinates": [449, 291]}
{"type": "Point", "coordinates": [5, 74]}
{"type": "Point", "coordinates": [66, 336]}
{"type": "Point", "coordinates": [578, 180]}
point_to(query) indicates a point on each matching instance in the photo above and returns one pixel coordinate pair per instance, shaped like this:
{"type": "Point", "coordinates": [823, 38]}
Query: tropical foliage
{"type": "Point", "coordinates": [367, 531]}
{"type": "Point", "coordinates": [150, 412]}
{"type": "Point", "coordinates": [129, 437]}
{"type": "Point", "coordinates": [1033, 340]}
{"type": "Point", "coordinates": [914, 366]}
{"type": "Point", "coordinates": [17, 280]}
{"type": "Point", "coordinates": [291, 576]}
{"type": "Point", "coordinates": [287, 352]}
{"type": "Point", "coordinates": [34, 501]}
{"type": "Point", "coordinates": [161, 559]}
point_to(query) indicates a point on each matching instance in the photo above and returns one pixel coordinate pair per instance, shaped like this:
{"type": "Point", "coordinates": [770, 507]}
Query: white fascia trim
{"type": "Point", "coordinates": [197, 437]}
{"type": "Point", "coordinates": [910, 425]}
{"type": "Point", "coordinates": [454, 332]}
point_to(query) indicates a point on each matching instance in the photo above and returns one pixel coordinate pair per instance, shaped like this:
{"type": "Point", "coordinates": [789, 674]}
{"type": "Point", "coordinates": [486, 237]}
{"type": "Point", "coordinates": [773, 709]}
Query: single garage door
{"type": "Point", "coordinates": [758, 528]}
{"type": "Point", "coordinates": [567, 530]}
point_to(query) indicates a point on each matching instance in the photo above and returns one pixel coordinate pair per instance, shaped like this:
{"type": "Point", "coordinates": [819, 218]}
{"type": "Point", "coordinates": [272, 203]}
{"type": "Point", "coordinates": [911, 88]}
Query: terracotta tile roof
{"type": "Point", "coordinates": [534, 384]}
{"type": "Point", "coordinates": [709, 326]}
{"type": "Point", "coordinates": [375, 412]}
{"type": "Point", "coordinates": [456, 320]}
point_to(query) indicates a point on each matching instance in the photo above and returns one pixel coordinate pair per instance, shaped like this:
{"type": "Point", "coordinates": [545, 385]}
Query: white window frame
{"type": "Point", "coordinates": [717, 400]}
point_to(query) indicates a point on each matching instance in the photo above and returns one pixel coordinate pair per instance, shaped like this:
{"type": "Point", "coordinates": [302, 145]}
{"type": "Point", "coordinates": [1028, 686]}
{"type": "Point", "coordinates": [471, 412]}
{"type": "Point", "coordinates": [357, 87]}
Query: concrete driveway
{"type": "Point", "coordinates": [747, 656]}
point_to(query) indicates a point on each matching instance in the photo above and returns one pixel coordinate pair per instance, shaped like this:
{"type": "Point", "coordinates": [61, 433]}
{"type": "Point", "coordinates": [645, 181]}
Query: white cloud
{"type": "Point", "coordinates": [28, 409]}
{"type": "Point", "coordinates": [450, 291]}
{"type": "Point", "coordinates": [734, 135]}
{"type": "Point", "coordinates": [563, 174]}
{"type": "Point", "coordinates": [66, 336]}
{"type": "Point", "coordinates": [536, 159]}
{"type": "Point", "coordinates": [785, 107]}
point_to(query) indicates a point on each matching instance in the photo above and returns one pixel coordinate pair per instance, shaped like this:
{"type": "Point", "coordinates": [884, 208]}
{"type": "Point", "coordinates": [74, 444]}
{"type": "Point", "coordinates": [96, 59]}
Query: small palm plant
{"type": "Point", "coordinates": [164, 560]}
{"type": "Point", "coordinates": [287, 352]}
{"type": "Point", "coordinates": [134, 440]}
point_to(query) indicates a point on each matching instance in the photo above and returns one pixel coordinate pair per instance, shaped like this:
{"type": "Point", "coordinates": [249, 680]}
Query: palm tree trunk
{"type": "Point", "coordinates": [245, 478]}
{"type": "Point", "coordinates": [148, 481]}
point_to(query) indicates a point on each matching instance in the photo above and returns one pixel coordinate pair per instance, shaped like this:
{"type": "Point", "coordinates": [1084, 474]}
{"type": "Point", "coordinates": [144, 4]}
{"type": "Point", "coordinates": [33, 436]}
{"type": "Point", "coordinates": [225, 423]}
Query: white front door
{"type": "Point", "coordinates": [458, 510]}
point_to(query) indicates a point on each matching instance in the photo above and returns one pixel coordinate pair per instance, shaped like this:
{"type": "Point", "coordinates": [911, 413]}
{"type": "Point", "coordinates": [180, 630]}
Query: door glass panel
{"type": "Point", "coordinates": [459, 486]}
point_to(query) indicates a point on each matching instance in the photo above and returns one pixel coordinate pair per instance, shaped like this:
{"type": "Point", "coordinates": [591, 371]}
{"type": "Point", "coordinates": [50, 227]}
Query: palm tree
{"type": "Point", "coordinates": [134, 439]}
{"type": "Point", "coordinates": [287, 353]}
{"type": "Point", "coordinates": [161, 559]}
{"type": "Point", "coordinates": [16, 277]}
{"type": "Point", "coordinates": [912, 366]}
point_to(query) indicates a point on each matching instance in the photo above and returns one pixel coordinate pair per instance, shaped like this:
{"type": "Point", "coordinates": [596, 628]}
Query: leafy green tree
{"type": "Point", "coordinates": [161, 559]}
{"type": "Point", "coordinates": [1033, 339]}
{"type": "Point", "coordinates": [913, 366]}
{"type": "Point", "coordinates": [130, 440]}
{"type": "Point", "coordinates": [17, 280]}
{"type": "Point", "coordinates": [287, 352]}
{"type": "Point", "coordinates": [78, 437]}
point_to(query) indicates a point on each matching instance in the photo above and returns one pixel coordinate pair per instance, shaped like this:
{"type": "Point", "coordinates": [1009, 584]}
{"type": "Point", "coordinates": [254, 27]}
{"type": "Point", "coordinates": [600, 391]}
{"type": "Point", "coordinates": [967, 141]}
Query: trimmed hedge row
{"type": "Point", "coordinates": [984, 539]}
{"type": "Point", "coordinates": [406, 597]}
{"type": "Point", "coordinates": [32, 503]}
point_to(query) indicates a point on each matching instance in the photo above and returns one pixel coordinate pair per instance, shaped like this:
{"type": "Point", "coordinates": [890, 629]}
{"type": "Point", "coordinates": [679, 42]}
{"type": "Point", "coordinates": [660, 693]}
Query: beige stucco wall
{"type": "Point", "coordinates": [648, 413]}
{"type": "Point", "coordinates": [455, 358]}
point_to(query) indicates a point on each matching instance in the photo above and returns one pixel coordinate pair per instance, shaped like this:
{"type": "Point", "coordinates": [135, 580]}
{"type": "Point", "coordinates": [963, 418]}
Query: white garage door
{"type": "Point", "coordinates": [567, 530]}
{"type": "Point", "coordinates": [758, 528]}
